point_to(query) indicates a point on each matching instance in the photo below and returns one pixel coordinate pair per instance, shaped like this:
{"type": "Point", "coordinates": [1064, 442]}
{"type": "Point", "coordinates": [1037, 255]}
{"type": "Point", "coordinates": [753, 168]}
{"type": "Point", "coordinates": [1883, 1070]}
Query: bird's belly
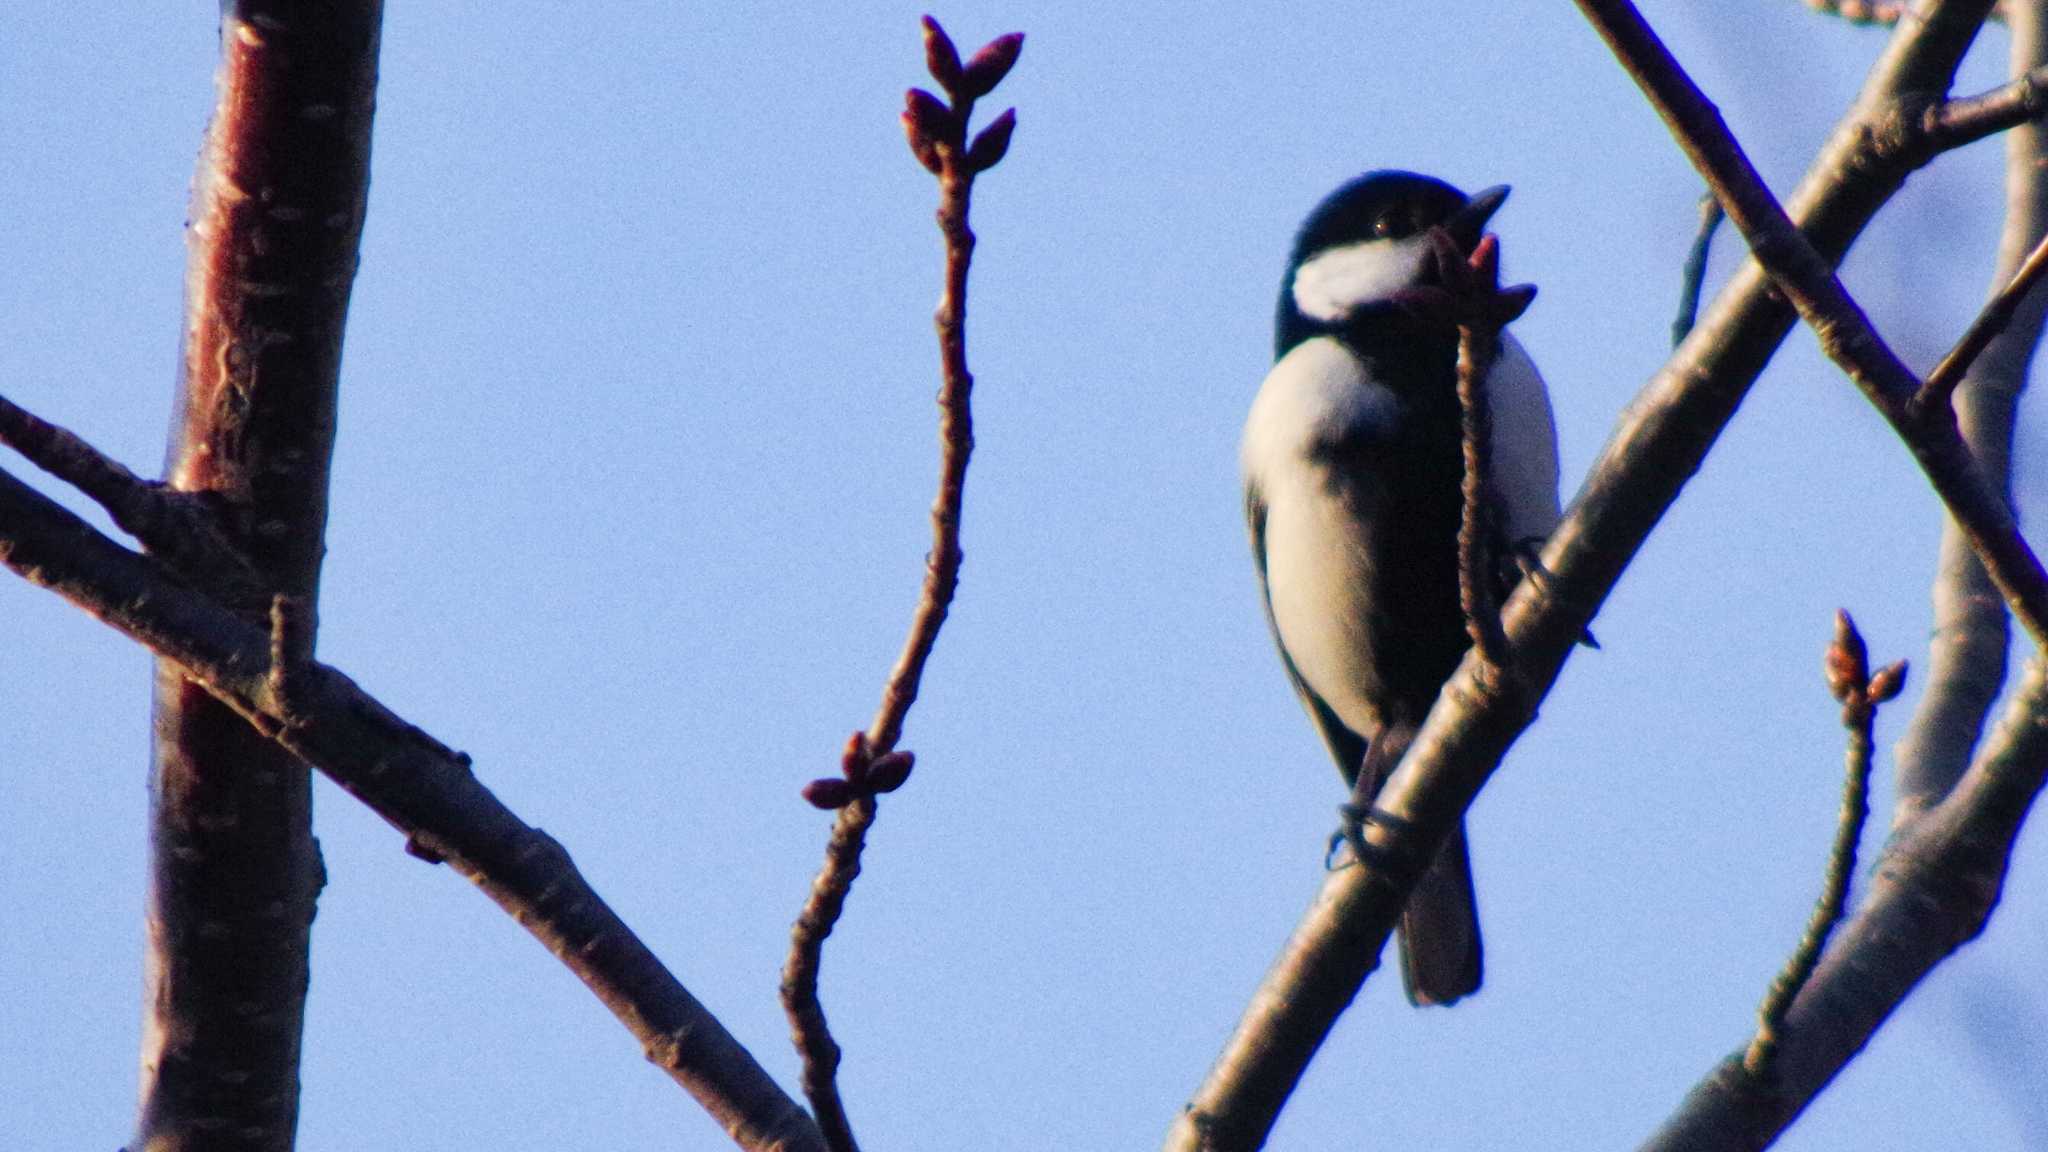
{"type": "Point", "coordinates": [1320, 574]}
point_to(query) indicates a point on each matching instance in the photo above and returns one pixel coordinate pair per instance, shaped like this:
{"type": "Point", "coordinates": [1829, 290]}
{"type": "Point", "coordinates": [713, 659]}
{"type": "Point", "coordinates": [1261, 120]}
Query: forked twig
{"type": "Point", "coordinates": [937, 132]}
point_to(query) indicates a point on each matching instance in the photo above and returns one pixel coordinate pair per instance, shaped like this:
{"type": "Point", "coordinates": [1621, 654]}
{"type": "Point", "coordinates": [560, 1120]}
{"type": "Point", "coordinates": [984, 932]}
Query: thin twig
{"type": "Point", "coordinates": [1933, 890]}
{"type": "Point", "coordinates": [808, 1028]}
{"type": "Point", "coordinates": [937, 132]}
{"type": "Point", "coordinates": [421, 787]}
{"type": "Point", "coordinates": [1477, 348]}
{"type": "Point", "coordinates": [1845, 333]}
{"type": "Point", "coordinates": [175, 526]}
{"type": "Point", "coordinates": [291, 649]}
{"type": "Point", "coordinates": [1965, 120]}
{"type": "Point", "coordinates": [1938, 390]}
{"type": "Point", "coordinates": [1481, 308]}
{"type": "Point", "coordinates": [1694, 276]}
{"type": "Point", "coordinates": [1860, 693]}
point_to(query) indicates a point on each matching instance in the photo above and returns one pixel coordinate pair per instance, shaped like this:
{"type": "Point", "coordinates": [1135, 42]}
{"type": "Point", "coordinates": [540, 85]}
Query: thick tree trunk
{"type": "Point", "coordinates": [277, 214]}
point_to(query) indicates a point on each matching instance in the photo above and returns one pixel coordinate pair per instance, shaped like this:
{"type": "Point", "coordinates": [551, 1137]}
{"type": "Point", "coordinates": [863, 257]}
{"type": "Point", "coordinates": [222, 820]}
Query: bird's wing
{"type": "Point", "coordinates": [1346, 746]}
{"type": "Point", "coordinates": [1523, 467]}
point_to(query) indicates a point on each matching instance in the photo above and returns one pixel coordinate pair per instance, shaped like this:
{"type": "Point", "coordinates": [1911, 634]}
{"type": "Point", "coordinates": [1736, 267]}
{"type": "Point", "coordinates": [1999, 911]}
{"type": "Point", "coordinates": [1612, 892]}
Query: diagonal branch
{"type": "Point", "coordinates": [1967, 653]}
{"type": "Point", "coordinates": [1937, 885]}
{"type": "Point", "coordinates": [1660, 443]}
{"type": "Point", "coordinates": [1938, 390]}
{"type": "Point", "coordinates": [177, 527]}
{"type": "Point", "coordinates": [424, 789]}
{"type": "Point", "coordinates": [1808, 280]}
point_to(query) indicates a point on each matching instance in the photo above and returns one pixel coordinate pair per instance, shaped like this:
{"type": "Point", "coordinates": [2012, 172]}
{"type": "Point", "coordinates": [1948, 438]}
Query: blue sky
{"type": "Point", "coordinates": [629, 502]}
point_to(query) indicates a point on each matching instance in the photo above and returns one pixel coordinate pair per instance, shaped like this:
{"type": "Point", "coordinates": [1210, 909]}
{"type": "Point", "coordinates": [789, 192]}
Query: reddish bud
{"type": "Point", "coordinates": [828, 793]}
{"type": "Point", "coordinates": [990, 65]}
{"type": "Point", "coordinates": [992, 142]}
{"type": "Point", "coordinates": [926, 152]}
{"type": "Point", "coordinates": [930, 117]}
{"type": "Point", "coordinates": [1512, 301]}
{"type": "Point", "coordinates": [1485, 259]}
{"type": "Point", "coordinates": [1889, 681]}
{"type": "Point", "coordinates": [888, 773]}
{"type": "Point", "coordinates": [853, 760]}
{"type": "Point", "coordinates": [1847, 664]}
{"type": "Point", "coordinates": [1451, 270]}
{"type": "Point", "coordinates": [941, 59]}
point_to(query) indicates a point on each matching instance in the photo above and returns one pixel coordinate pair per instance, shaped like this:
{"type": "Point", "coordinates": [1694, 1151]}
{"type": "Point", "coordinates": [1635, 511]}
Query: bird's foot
{"type": "Point", "coordinates": [1352, 819]}
{"type": "Point", "coordinates": [1526, 555]}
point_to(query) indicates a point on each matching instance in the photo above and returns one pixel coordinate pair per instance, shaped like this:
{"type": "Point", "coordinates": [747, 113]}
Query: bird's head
{"type": "Point", "coordinates": [1368, 242]}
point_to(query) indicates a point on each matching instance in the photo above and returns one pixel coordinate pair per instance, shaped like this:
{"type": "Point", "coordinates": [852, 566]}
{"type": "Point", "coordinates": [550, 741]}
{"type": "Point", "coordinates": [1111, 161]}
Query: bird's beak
{"type": "Point", "coordinates": [1467, 224]}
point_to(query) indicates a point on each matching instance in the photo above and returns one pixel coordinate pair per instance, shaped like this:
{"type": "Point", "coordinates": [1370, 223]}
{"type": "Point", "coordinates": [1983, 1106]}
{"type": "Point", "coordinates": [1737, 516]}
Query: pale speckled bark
{"type": "Point", "coordinates": [1966, 658]}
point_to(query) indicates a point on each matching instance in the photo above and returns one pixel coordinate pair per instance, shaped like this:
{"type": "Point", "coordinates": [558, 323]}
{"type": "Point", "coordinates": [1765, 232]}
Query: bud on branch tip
{"type": "Point", "coordinates": [992, 142]}
{"type": "Point", "coordinates": [990, 65]}
{"type": "Point", "coordinates": [1847, 664]}
{"type": "Point", "coordinates": [941, 59]}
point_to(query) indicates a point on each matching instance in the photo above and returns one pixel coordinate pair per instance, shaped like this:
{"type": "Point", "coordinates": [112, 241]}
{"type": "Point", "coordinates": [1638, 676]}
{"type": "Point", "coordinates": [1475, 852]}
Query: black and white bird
{"type": "Point", "coordinates": [1352, 462]}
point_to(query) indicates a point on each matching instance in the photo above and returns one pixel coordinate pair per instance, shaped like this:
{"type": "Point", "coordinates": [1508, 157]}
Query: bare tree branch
{"type": "Point", "coordinates": [1966, 657]}
{"type": "Point", "coordinates": [1937, 885]}
{"type": "Point", "coordinates": [937, 132]}
{"type": "Point", "coordinates": [1938, 390]}
{"type": "Point", "coordinates": [1808, 279]}
{"type": "Point", "coordinates": [420, 786]}
{"type": "Point", "coordinates": [1933, 891]}
{"type": "Point", "coordinates": [1860, 693]}
{"type": "Point", "coordinates": [1481, 308]}
{"type": "Point", "coordinates": [178, 527]}
{"type": "Point", "coordinates": [277, 214]}
{"type": "Point", "coordinates": [1661, 441]}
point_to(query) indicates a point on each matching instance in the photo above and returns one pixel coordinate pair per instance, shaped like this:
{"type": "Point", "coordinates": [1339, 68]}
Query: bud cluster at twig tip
{"type": "Point", "coordinates": [1847, 667]}
{"type": "Point", "coordinates": [1847, 663]}
{"type": "Point", "coordinates": [864, 775]}
{"type": "Point", "coordinates": [937, 129]}
{"type": "Point", "coordinates": [1468, 292]}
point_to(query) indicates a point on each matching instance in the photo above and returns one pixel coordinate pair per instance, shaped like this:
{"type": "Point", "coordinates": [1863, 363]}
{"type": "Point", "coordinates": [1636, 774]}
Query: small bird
{"type": "Point", "coordinates": [1352, 462]}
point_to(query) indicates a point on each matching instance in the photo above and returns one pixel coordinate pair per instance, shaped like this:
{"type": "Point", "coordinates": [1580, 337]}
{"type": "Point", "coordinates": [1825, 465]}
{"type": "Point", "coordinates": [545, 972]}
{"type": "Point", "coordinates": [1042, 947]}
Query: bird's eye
{"type": "Point", "coordinates": [1386, 227]}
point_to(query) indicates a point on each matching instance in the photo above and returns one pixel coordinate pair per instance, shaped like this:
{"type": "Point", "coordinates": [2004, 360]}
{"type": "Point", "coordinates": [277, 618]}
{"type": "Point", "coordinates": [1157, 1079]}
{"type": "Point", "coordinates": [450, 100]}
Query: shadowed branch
{"type": "Point", "coordinates": [420, 786]}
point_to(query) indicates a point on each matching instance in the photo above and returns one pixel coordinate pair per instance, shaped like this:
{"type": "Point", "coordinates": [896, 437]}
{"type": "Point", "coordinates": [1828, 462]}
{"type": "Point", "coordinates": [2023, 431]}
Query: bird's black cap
{"type": "Point", "coordinates": [1387, 204]}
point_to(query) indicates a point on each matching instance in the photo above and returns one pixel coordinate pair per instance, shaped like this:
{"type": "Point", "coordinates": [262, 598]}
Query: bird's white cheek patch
{"type": "Point", "coordinates": [1334, 283]}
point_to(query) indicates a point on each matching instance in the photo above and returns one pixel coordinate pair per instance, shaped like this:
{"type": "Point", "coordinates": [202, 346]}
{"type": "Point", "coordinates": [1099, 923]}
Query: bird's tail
{"type": "Point", "coordinates": [1440, 948]}
{"type": "Point", "coordinates": [1440, 945]}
